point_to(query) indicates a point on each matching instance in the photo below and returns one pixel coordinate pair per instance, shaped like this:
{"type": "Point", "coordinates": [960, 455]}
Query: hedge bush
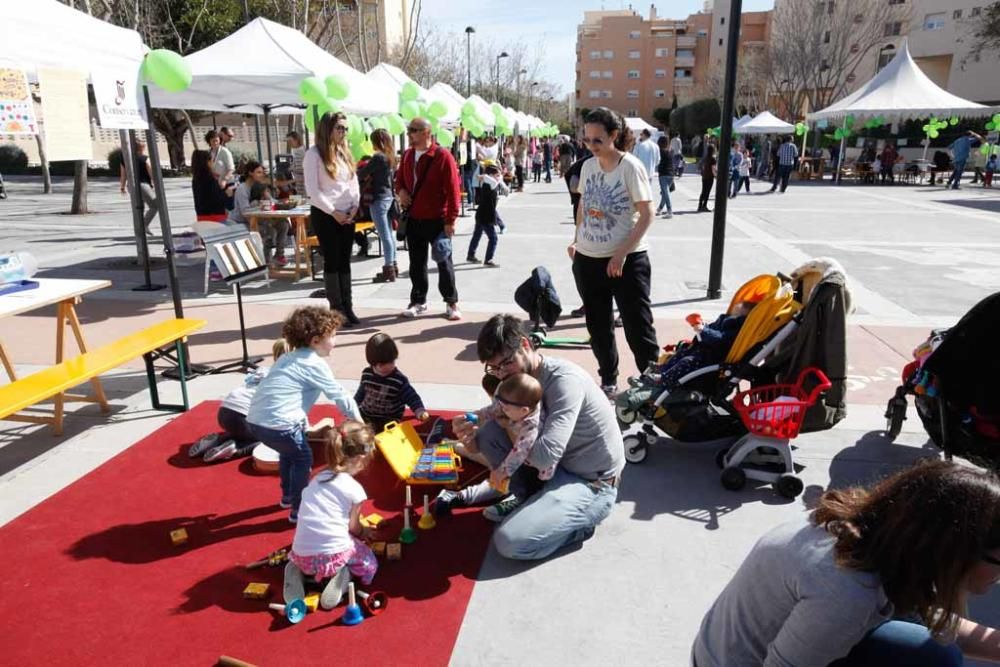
{"type": "Point", "coordinates": [12, 159]}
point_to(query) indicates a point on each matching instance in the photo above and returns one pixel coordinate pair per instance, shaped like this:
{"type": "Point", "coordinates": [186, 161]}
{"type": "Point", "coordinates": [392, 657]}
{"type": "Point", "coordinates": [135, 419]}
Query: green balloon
{"type": "Point", "coordinates": [437, 109]}
{"type": "Point", "coordinates": [445, 137]}
{"type": "Point", "coordinates": [394, 123]}
{"type": "Point", "coordinates": [376, 123]}
{"type": "Point", "coordinates": [357, 150]}
{"type": "Point", "coordinates": [311, 90]}
{"type": "Point", "coordinates": [337, 87]}
{"type": "Point", "coordinates": [409, 92]}
{"type": "Point", "coordinates": [328, 105]}
{"type": "Point", "coordinates": [985, 149]}
{"type": "Point", "coordinates": [469, 109]}
{"type": "Point", "coordinates": [168, 70]}
{"type": "Point", "coordinates": [476, 130]}
{"type": "Point", "coordinates": [954, 121]}
{"type": "Point", "coordinates": [355, 129]}
{"type": "Point", "coordinates": [933, 134]}
{"type": "Point", "coordinates": [310, 117]}
{"type": "Point", "coordinates": [409, 110]}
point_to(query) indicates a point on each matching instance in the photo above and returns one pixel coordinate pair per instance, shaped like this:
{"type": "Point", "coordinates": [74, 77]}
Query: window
{"type": "Point", "coordinates": [976, 11]}
{"type": "Point", "coordinates": [659, 93]}
{"type": "Point", "coordinates": [934, 21]}
{"type": "Point", "coordinates": [660, 74]}
{"type": "Point", "coordinates": [633, 74]}
{"type": "Point", "coordinates": [594, 94]}
{"type": "Point", "coordinates": [607, 74]}
{"type": "Point", "coordinates": [682, 73]}
{"type": "Point", "coordinates": [826, 37]}
{"type": "Point", "coordinates": [606, 94]}
{"type": "Point", "coordinates": [829, 7]}
{"type": "Point", "coordinates": [720, 41]}
{"type": "Point", "coordinates": [632, 94]}
{"type": "Point", "coordinates": [892, 28]}
{"type": "Point", "coordinates": [609, 55]}
{"type": "Point", "coordinates": [634, 55]}
{"type": "Point", "coordinates": [703, 33]}
{"type": "Point", "coordinates": [824, 65]}
{"type": "Point", "coordinates": [662, 53]}
{"type": "Point", "coordinates": [685, 53]}
{"type": "Point", "coordinates": [957, 14]}
{"type": "Point", "coordinates": [885, 56]}
{"type": "Point", "coordinates": [897, 2]}
{"type": "Point", "coordinates": [635, 34]}
{"type": "Point", "coordinates": [595, 55]}
{"type": "Point", "coordinates": [632, 113]}
{"type": "Point", "coordinates": [595, 74]}
{"type": "Point", "coordinates": [722, 21]}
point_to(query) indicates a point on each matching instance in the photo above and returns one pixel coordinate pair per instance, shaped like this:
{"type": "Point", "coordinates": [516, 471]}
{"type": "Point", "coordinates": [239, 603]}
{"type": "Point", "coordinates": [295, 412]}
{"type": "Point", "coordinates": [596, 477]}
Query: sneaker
{"type": "Point", "coordinates": [501, 230]}
{"type": "Point", "coordinates": [334, 590]}
{"type": "Point", "coordinates": [280, 261]}
{"type": "Point", "coordinates": [496, 513]}
{"type": "Point", "coordinates": [610, 390]}
{"type": "Point", "coordinates": [668, 215]}
{"type": "Point", "coordinates": [295, 584]}
{"type": "Point", "coordinates": [205, 443]}
{"type": "Point", "coordinates": [293, 517]}
{"type": "Point", "coordinates": [579, 312]}
{"type": "Point", "coordinates": [452, 313]}
{"type": "Point", "coordinates": [223, 452]}
{"type": "Point", "coordinates": [445, 501]}
{"type": "Point", "coordinates": [285, 503]}
{"type": "Point", "coordinates": [491, 263]}
{"type": "Point", "coordinates": [414, 309]}
{"type": "Point", "coordinates": [471, 260]}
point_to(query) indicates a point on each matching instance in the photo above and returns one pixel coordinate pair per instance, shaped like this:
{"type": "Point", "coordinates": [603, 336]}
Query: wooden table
{"type": "Point", "coordinates": [299, 217]}
{"type": "Point", "coordinates": [64, 294]}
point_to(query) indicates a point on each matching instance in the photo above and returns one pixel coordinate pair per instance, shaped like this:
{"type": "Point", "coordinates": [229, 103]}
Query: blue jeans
{"type": "Point", "coordinates": [380, 216]}
{"type": "Point", "coordinates": [901, 643]}
{"type": "Point", "coordinates": [956, 175]}
{"type": "Point", "coordinates": [734, 182]}
{"type": "Point", "coordinates": [564, 511]}
{"type": "Point", "coordinates": [469, 182]}
{"type": "Point", "coordinates": [665, 182]}
{"type": "Point", "coordinates": [491, 235]}
{"type": "Point", "coordinates": [294, 460]}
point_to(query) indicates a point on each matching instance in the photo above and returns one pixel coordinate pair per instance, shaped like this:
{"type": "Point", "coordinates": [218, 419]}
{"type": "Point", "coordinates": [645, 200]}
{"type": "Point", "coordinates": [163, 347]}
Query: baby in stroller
{"type": "Point", "coordinates": [710, 346]}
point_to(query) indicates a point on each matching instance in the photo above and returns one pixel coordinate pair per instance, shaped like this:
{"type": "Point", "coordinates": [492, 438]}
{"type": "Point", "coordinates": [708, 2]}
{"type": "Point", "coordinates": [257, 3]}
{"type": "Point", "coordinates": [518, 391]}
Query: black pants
{"type": "Point", "coordinates": [419, 236]}
{"type": "Point", "coordinates": [781, 175]}
{"type": "Point", "coordinates": [706, 190]}
{"type": "Point", "coordinates": [337, 242]}
{"type": "Point", "coordinates": [234, 425]}
{"type": "Point", "coordinates": [631, 292]}
{"type": "Point", "coordinates": [519, 176]}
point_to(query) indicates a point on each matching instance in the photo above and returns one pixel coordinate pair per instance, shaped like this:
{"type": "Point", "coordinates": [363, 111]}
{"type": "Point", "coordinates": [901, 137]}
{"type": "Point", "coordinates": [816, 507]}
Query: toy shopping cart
{"type": "Point", "coordinates": [772, 415]}
{"type": "Point", "coordinates": [417, 462]}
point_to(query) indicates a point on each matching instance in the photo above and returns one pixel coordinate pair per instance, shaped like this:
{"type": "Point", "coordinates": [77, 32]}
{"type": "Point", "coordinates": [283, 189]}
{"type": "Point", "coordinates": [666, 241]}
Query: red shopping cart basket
{"type": "Point", "coordinates": [777, 410]}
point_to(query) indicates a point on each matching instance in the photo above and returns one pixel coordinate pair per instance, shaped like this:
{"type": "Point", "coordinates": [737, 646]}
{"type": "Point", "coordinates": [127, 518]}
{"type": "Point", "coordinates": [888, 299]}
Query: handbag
{"type": "Point", "coordinates": [404, 215]}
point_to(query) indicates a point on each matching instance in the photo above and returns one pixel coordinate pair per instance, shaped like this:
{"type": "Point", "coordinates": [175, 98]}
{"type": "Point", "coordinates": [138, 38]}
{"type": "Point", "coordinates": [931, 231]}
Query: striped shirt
{"type": "Point", "coordinates": [787, 153]}
{"type": "Point", "coordinates": [385, 398]}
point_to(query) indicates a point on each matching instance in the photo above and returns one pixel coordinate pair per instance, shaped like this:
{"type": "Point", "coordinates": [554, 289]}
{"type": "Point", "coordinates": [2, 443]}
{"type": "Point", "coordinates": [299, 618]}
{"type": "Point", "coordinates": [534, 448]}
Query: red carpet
{"type": "Point", "coordinates": [92, 577]}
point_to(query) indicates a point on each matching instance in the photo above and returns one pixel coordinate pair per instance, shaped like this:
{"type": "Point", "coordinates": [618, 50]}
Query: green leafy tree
{"type": "Point", "coordinates": [986, 31]}
{"type": "Point", "coordinates": [662, 116]}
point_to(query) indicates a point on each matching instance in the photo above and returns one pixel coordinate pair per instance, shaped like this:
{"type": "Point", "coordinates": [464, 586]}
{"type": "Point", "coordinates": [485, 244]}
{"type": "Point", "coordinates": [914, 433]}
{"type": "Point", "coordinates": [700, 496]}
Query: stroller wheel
{"type": "Point", "coordinates": [895, 415]}
{"type": "Point", "coordinates": [636, 449]}
{"type": "Point", "coordinates": [733, 478]}
{"type": "Point", "coordinates": [788, 486]}
{"type": "Point", "coordinates": [720, 458]}
{"type": "Point", "coordinates": [625, 415]}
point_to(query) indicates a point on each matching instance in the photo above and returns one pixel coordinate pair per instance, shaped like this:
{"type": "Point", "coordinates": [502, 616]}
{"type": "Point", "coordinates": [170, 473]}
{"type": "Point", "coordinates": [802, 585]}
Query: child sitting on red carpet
{"type": "Point", "coordinates": [277, 414]}
{"type": "Point", "coordinates": [384, 392]}
{"type": "Point", "coordinates": [326, 543]}
{"type": "Point", "coordinates": [235, 440]}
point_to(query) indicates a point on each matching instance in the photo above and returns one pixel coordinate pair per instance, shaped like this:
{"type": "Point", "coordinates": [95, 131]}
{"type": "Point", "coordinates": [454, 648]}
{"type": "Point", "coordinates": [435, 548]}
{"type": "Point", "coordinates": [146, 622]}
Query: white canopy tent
{"type": "Point", "coordinates": [901, 91]}
{"type": "Point", "coordinates": [450, 97]}
{"type": "Point", "coordinates": [395, 78]}
{"type": "Point", "coordinates": [638, 125]}
{"type": "Point", "coordinates": [262, 64]}
{"type": "Point", "coordinates": [742, 121]}
{"type": "Point", "coordinates": [483, 109]}
{"type": "Point", "coordinates": [765, 123]}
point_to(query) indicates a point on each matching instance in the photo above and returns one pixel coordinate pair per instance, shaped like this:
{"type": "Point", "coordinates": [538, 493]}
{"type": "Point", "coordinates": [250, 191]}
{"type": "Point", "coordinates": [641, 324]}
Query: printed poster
{"type": "Point", "coordinates": [66, 114]}
{"type": "Point", "coordinates": [119, 103]}
{"type": "Point", "coordinates": [17, 112]}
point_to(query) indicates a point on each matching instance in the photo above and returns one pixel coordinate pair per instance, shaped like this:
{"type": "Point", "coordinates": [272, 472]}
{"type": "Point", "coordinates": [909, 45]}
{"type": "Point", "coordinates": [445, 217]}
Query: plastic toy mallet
{"type": "Point", "coordinates": [294, 611]}
{"type": "Point", "coordinates": [408, 535]}
{"type": "Point", "coordinates": [409, 497]}
{"type": "Point", "coordinates": [426, 519]}
{"type": "Point", "coordinates": [373, 603]}
{"type": "Point", "coordinates": [352, 614]}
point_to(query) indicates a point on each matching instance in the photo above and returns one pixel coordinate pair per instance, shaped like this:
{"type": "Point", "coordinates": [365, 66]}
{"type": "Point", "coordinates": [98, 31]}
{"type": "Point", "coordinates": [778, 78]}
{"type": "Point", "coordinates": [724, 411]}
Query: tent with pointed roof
{"type": "Point", "coordinates": [901, 91]}
{"type": "Point", "coordinates": [737, 124]}
{"type": "Point", "coordinates": [765, 123]}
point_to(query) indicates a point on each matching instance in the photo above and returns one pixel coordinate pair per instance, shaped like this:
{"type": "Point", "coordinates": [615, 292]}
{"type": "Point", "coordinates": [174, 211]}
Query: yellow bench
{"type": "Point", "coordinates": [366, 227]}
{"type": "Point", "coordinates": [55, 380]}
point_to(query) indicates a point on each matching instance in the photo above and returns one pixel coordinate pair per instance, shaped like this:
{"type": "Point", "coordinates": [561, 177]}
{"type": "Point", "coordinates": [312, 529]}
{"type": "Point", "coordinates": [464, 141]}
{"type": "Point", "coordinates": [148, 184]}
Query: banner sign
{"type": "Point", "coordinates": [119, 104]}
{"type": "Point", "coordinates": [17, 112]}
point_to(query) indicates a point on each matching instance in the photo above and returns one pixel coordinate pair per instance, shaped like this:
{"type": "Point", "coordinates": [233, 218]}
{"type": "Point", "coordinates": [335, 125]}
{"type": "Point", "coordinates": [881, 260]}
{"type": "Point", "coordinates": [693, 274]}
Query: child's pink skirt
{"type": "Point", "coordinates": [360, 560]}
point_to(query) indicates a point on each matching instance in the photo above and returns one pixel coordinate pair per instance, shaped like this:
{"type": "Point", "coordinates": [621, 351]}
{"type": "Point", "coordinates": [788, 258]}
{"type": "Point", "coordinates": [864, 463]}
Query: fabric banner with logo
{"type": "Point", "coordinates": [119, 103]}
{"type": "Point", "coordinates": [66, 114]}
{"type": "Point", "coordinates": [17, 111]}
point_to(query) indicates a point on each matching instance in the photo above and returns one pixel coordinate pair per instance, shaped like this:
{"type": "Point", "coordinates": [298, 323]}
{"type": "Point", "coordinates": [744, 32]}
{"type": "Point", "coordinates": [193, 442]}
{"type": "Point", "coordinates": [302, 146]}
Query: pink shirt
{"type": "Point", "coordinates": [326, 193]}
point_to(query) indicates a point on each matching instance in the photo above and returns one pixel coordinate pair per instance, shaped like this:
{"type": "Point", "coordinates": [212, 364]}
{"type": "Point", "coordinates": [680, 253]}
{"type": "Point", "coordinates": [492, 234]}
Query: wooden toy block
{"type": "Point", "coordinates": [394, 551]}
{"type": "Point", "coordinates": [372, 520]}
{"type": "Point", "coordinates": [257, 591]}
{"type": "Point", "coordinates": [312, 601]}
{"type": "Point", "coordinates": [378, 548]}
{"type": "Point", "coordinates": [178, 537]}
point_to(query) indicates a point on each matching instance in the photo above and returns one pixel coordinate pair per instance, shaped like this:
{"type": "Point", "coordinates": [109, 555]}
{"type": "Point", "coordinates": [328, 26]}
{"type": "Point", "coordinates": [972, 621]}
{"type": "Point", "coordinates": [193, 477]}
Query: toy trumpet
{"type": "Point", "coordinates": [294, 611]}
{"type": "Point", "coordinates": [373, 603]}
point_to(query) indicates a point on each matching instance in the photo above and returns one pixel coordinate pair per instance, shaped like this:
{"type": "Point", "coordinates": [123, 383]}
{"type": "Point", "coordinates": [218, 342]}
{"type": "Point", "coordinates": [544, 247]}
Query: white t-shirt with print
{"type": "Point", "coordinates": [325, 514]}
{"type": "Point", "coordinates": [608, 205]}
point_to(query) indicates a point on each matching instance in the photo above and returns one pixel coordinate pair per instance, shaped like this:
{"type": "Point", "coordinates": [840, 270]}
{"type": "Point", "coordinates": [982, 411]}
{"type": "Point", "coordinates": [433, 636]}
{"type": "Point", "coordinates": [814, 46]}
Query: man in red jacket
{"type": "Point", "coordinates": [428, 188]}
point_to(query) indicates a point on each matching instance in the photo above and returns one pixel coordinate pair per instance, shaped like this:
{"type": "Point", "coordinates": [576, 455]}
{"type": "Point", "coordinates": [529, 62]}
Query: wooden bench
{"type": "Point", "coordinates": [56, 380]}
{"type": "Point", "coordinates": [366, 227]}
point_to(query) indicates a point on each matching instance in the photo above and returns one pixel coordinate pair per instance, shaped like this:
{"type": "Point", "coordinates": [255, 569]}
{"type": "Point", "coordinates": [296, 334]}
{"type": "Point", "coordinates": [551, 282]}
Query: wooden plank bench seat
{"type": "Point", "coordinates": [55, 380]}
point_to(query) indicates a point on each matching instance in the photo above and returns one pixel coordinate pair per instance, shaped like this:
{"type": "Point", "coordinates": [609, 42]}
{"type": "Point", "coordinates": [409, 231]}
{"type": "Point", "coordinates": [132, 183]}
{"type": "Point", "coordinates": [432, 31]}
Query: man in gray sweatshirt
{"type": "Point", "coordinates": [578, 432]}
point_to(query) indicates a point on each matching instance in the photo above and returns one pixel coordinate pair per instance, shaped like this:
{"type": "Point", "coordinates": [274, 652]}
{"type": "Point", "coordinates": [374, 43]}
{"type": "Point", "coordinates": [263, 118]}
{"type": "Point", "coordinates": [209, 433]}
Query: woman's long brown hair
{"type": "Point", "coordinates": [332, 151]}
{"type": "Point", "coordinates": [921, 530]}
{"type": "Point", "coordinates": [382, 142]}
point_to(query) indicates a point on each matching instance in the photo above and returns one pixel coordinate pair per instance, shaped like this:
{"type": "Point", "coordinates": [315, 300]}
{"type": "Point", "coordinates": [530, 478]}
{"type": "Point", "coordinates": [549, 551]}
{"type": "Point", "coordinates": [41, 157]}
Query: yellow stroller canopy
{"type": "Point", "coordinates": [775, 306]}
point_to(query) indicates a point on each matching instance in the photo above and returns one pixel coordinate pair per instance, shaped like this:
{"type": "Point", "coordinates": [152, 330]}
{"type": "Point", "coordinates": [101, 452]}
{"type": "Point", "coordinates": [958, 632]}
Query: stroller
{"type": "Point", "coordinates": [951, 379]}
{"type": "Point", "coordinates": [776, 353]}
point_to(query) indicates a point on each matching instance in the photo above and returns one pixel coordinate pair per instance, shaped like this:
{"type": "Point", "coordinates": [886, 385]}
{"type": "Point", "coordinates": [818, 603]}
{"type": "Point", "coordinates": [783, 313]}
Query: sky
{"type": "Point", "coordinates": [548, 22]}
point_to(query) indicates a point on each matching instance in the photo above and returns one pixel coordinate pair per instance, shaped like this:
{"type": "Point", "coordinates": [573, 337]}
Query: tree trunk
{"type": "Point", "coordinates": [79, 205]}
{"type": "Point", "coordinates": [43, 158]}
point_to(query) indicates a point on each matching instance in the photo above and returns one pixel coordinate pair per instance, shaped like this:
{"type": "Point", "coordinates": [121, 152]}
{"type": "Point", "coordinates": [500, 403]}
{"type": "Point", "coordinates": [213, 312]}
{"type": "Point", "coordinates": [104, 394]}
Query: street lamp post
{"type": "Point", "coordinates": [503, 54]}
{"type": "Point", "coordinates": [519, 73]}
{"type": "Point", "coordinates": [468, 60]}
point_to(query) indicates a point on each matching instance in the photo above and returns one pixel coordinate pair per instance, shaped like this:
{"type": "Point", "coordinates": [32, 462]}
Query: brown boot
{"type": "Point", "coordinates": [388, 275]}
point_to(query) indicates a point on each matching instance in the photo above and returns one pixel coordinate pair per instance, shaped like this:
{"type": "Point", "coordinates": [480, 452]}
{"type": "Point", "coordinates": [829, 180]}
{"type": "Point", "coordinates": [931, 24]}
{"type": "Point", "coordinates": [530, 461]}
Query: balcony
{"type": "Point", "coordinates": [683, 81]}
{"type": "Point", "coordinates": [684, 61]}
{"type": "Point", "coordinates": [686, 41]}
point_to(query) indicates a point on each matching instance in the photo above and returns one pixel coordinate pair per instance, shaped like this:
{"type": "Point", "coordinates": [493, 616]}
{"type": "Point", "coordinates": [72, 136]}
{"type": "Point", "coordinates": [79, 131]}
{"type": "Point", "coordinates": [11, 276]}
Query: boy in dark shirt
{"type": "Point", "coordinates": [384, 392]}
